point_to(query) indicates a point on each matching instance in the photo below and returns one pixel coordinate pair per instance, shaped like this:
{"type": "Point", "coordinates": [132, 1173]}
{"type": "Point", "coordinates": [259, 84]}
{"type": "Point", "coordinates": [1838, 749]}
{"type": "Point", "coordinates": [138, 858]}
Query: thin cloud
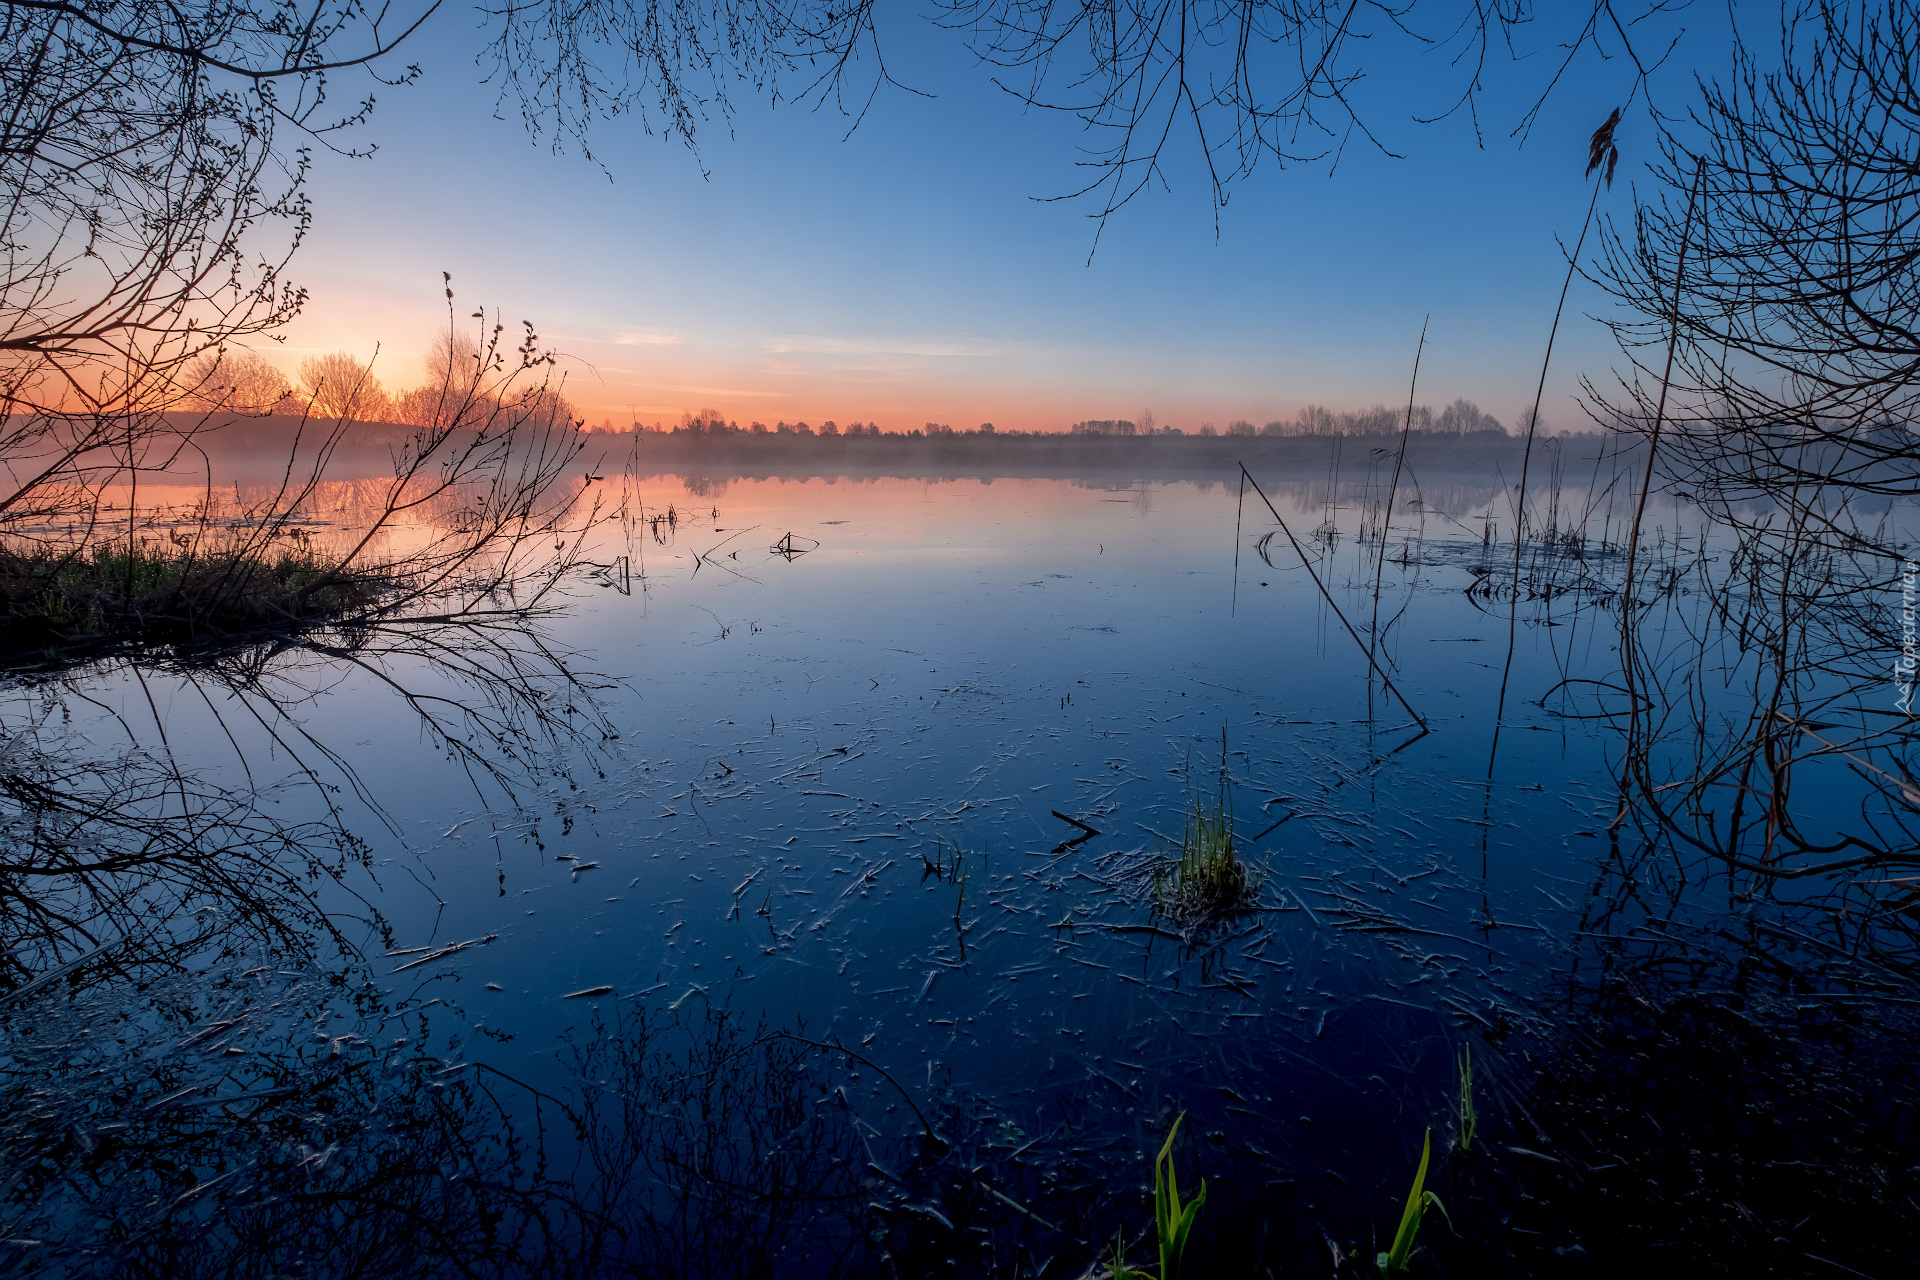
{"type": "Point", "coordinates": [863, 371]}
{"type": "Point", "coordinates": [646, 338]}
{"type": "Point", "coordinates": [963, 349]}
{"type": "Point", "coordinates": [709, 391]}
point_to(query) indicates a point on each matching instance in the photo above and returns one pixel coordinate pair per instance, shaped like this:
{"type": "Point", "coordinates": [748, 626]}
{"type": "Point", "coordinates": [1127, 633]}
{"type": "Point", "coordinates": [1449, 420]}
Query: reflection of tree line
{"type": "Point", "coordinates": [135, 886]}
{"type": "Point", "coordinates": [1350, 480]}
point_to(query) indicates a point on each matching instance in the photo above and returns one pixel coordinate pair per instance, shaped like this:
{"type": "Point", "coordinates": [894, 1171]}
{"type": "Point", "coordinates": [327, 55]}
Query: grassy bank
{"type": "Point", "coordinates": [60, 605]}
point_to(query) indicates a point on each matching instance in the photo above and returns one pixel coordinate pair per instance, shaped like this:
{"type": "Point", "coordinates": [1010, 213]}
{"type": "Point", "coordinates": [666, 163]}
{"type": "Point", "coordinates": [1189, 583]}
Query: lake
{"type": "Point", "coordinates": [799, 896]}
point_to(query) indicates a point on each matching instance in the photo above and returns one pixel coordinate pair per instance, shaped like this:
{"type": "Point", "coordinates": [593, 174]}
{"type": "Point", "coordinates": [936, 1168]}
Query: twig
{"type": "Point", "coordinates": [1328, 597]}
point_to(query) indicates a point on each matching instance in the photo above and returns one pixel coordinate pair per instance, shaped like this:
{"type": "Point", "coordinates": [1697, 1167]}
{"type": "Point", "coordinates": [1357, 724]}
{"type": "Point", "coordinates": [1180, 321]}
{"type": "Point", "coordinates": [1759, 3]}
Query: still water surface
{"type": "Point", "coordinates": [910, 789]}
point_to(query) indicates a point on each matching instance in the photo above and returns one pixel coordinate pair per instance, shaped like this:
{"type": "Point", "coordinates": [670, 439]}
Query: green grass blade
{"type": "Point", "coordinates": [1395, 1259]}
{"type": "Point", "coordinates": [1172, 1220]}
{"type": "Point", "coordinates": [1434, 1200]}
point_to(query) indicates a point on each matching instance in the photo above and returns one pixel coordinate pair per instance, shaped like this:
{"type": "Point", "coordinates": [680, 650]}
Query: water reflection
{"type": "Point", "coordinates": [198, 1063]}
{"type": "Point", "coordinates": [1729, 1089]}
{"type": "Point", "coordinates": [821, 935]}
{"type": "Point", "coordinates": [252, 1118]}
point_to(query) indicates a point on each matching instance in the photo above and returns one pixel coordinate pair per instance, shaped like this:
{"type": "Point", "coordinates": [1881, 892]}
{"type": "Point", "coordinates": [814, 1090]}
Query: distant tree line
{"type": "Point", "coordinates": [340, 386]}
{"type": "Point", "coordinates": [1461, 418]}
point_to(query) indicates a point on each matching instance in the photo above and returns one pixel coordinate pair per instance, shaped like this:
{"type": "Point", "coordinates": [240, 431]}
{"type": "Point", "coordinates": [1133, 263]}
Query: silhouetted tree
{"type": "Point", "coordinates": [149, 205]}
{"type": "Point", "coordinates": [1464, 416]}
{"type": "Point", "coordinates": [339, 386]}
{"type": "Point", "coordinates": [235, 380]}
{"type": "Point", "coordinates": [1791, 304]}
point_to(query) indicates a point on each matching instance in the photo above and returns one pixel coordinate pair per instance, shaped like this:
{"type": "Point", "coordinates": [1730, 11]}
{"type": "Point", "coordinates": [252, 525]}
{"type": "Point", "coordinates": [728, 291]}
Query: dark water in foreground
{"type": "Point", "coordinates": [908, 796]}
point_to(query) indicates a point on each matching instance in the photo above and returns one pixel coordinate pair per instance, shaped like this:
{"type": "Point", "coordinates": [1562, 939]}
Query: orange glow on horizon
{"type": "Point", "coordinates": [653, 373]}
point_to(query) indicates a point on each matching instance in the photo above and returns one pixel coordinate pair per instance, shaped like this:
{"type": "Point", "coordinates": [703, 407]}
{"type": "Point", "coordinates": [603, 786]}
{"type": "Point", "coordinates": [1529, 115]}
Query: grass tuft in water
{"type": "Point", "coordinates": [1469, 1118]}
{"type": "Point", "coordinates": [1209, 878]}
{"type": "Point", "coordinates": [1394, 1261]}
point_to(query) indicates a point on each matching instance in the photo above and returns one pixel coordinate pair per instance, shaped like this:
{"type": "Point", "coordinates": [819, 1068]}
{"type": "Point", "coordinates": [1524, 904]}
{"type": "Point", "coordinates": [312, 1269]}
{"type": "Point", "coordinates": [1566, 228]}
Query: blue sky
{"type": "Point", "coordinates": [907, 273]}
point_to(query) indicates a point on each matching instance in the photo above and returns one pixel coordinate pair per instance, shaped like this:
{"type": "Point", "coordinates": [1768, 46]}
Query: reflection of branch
{"type": "Point", "coordinates": [136, 843]}
{"type": "Point", "coordinates": [133, 846]}
{"type": "Point", "coordinates": [226, 1142]}
{"type": "Point", "coordinates": [1904, 785]}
